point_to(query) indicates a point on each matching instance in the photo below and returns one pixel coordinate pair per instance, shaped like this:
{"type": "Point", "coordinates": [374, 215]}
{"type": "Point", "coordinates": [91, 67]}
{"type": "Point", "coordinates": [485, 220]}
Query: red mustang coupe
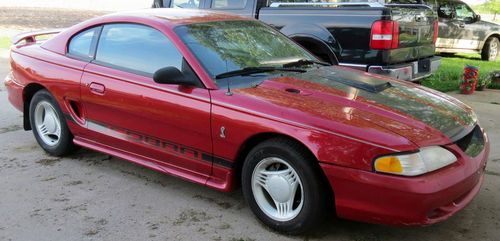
{"type": "Point", "coordinates": [225, 101]}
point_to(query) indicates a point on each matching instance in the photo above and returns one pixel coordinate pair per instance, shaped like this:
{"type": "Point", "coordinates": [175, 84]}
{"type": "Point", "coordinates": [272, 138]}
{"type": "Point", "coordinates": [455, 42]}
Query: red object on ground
{"type": "Point", "coordinates": [471, 74]}
{"type": "Point", "coordinates": [202, 134]}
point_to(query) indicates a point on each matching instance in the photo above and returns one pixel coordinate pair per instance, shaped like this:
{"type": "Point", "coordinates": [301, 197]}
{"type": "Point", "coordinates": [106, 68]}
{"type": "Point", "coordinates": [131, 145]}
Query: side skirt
{"type": "Point", "coordinates": [222, 184]}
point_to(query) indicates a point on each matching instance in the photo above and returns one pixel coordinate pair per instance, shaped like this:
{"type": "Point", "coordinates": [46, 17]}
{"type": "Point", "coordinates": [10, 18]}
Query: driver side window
{"type": "Point", "coordinates": [463, 12]}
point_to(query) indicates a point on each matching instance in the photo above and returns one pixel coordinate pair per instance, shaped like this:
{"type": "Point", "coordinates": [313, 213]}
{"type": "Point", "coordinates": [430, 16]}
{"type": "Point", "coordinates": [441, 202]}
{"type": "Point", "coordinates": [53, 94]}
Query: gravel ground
{"type": "Point", "coordinates": [41, 18]}
{"type": "Point", "coordinates": [92, 196]}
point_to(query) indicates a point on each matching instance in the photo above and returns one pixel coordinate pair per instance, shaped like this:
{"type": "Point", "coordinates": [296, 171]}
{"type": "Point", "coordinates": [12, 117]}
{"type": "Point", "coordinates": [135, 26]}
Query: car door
{"type": "Point", "coordinates": [448, 28]}
{"type": "Point", "coordinates": [467, 31]}
{"type": "Point", "coordinates": [166, 126]}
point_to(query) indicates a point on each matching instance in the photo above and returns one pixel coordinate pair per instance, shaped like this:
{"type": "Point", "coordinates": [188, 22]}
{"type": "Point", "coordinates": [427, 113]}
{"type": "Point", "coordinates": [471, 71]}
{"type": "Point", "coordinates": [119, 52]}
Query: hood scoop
{"type": "Point", "coordinates": [362, 82]}
{"type": "Point", "coordinates": [340, 78]}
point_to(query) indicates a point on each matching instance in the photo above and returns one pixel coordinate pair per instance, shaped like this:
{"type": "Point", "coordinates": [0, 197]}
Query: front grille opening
{"type": "Point", "coordinates": [473, 143]}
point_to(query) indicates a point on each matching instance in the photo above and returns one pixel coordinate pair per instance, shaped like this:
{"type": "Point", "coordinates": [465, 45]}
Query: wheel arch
{"type": "Point", "coordinates": [254, 140]}
{"type": "Point", "coordinates": [495, 34]}
{"type": "Point", "coordinates": [314, 35]}
{"type": "Point", "coordinates": [317, 47]}
{"type": "Point", "coordinates": [28, 93]}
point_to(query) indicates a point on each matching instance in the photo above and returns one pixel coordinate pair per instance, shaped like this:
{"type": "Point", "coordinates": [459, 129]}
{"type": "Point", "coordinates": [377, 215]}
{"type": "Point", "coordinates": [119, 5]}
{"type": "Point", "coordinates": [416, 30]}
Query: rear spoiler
{"type": "Point", "coordinates": [30, 37]}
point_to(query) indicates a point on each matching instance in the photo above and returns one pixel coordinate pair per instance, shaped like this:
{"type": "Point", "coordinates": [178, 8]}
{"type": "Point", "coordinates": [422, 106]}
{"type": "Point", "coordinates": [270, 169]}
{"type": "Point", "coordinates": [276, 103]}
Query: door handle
{"type": "Point", "coordinates": [97, 88]}
{"type": "Point", "coordinates": [462, 25]}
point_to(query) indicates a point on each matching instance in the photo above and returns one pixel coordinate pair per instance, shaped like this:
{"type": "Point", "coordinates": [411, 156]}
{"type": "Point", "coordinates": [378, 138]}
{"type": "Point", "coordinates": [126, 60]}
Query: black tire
{"type": "Point", "coordinates": [64, 144]}
{"type": "Point", "coordinates": [491, 49]}
{"type": "Point", "coordinates": [315, 196]}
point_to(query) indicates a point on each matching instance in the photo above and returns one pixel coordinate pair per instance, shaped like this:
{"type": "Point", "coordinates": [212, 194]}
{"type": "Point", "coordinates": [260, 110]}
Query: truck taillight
{"type": "Point", "coordinates": [385, 35]}
{"type": "Point", "coordinates": [436, 31]}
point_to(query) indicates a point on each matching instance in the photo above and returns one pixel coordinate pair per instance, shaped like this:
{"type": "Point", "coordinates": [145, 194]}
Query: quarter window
{"type": "Point", "coordinates": [136, 48]}
{"type": "Point", "coordinates": [81, 44]}
{"type": "Point", "coordinates": [229, 4]}
{"type": "Point", "coordinates": [185, 4]}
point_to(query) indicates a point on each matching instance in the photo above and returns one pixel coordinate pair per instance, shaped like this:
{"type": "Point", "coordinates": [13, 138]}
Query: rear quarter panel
{"type": "Point", "coordinates": [57, 73]}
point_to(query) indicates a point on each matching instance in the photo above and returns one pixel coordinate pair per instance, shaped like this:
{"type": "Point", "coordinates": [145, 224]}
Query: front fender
{"type": "Point", "coordinates": [493, 34]}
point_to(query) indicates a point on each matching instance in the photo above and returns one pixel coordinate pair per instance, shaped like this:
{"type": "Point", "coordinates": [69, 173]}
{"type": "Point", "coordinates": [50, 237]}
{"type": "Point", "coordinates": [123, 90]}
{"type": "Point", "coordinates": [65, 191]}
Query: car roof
{"type": "Point", "coordinates": [176, 16]}
{"type": "Point", "coordinates": [156, 17]}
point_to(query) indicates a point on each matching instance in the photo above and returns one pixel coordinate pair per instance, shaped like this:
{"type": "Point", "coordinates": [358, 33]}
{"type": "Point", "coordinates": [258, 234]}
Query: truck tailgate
{"type": "Point", "coordinates": [416, 24]}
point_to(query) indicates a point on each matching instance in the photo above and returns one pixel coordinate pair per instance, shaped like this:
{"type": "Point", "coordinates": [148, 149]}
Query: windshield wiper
{"type": "Point", "coordinates": [302, 62]}
{"type": "Point", "coordinates": [256, 70]}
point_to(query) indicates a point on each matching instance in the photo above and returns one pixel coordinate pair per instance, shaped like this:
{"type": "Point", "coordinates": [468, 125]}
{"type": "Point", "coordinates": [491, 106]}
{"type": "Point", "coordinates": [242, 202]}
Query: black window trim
{"type": "Point", "coordinates": [93, 44]}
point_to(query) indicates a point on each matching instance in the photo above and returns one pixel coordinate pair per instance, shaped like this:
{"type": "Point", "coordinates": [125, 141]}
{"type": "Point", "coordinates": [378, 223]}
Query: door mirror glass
{"type": "Point", "coordinates": [468, 20]}
{"type": "Point", "coordinates": [171, 75]}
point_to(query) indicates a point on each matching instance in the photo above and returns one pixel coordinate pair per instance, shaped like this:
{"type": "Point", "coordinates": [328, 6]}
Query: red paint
{"type": "Point", "coordinates": [139, 114]}
{"type": "Point", "coordinates": [468, 85]}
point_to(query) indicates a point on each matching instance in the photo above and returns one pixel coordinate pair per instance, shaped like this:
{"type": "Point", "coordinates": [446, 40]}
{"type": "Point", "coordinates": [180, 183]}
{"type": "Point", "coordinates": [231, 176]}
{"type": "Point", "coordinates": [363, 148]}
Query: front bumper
{"type": "Point", "coordinates": [407, 201]}
{"type": "Point", "coordinates": [413, 71]}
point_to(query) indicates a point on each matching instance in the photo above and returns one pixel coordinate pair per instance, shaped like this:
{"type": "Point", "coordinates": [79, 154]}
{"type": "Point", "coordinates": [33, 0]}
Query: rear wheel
{"type": "Point", "coordinates": [491, 49]}
{"type": "Point", "coordinates": [282, 186]}
{"type": "Point", "coordinates": [49, 128]}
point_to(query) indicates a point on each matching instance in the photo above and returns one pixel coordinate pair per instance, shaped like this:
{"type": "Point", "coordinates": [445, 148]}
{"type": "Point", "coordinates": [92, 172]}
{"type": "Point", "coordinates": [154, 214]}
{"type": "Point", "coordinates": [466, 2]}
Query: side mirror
{"type": "Point", "coordinates": [469, 20]}
{"type": "Point", "coordinates": [171, 75]}
{"type": "Point", "coordinates": [478, 17]}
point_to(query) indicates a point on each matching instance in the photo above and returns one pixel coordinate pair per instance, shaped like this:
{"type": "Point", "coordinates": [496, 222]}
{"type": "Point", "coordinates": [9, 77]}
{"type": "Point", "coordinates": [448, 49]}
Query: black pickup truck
{"type": "Point", "coordinates": [395, 38]}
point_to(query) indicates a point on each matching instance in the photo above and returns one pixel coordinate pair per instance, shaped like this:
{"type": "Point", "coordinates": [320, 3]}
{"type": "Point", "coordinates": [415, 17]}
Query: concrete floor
{"type": "Point", "coordinates": [91, 196]}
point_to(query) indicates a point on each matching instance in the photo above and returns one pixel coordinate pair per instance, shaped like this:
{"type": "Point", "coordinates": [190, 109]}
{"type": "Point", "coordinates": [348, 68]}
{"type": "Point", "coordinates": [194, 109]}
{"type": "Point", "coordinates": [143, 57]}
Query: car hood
{"type": "Point", "coordinates": [327, 95]}
{"type": "Point", "coordinates": [493, 25]}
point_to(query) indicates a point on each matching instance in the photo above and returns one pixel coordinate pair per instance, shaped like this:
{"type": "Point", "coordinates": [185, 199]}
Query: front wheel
{"type": "Point", "coordinates": [491, 49]}
{"type": "Point", "coordinates": [48, 125]}
{"type": "Point", "coordinates": [282, 186]}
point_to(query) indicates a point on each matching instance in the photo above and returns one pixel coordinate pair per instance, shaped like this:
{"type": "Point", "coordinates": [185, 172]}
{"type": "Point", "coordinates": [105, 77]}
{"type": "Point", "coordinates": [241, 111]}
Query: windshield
{"type": "Point", "coordinates": [226, 46]}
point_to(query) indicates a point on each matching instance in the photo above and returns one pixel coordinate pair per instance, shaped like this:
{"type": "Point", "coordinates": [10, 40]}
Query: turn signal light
{"type": "Point", "coordinates": [389, 164]}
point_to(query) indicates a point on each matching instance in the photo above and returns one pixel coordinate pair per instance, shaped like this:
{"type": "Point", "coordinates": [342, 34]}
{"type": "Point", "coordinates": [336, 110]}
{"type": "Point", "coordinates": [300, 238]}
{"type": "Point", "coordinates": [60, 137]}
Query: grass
{"type": "Point", "coordinates": [449, 75]}
{"type": "Point", "coordinates": [4, 42]}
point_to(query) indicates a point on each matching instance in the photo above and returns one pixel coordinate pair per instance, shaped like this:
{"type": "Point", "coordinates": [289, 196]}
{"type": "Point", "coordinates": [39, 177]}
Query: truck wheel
{"type": "Point", "coordinates": [282, 187]}
{"type": "Point", "coordinates": [48, 125]}
{"type": "Point", "coordinates": [490, 49]}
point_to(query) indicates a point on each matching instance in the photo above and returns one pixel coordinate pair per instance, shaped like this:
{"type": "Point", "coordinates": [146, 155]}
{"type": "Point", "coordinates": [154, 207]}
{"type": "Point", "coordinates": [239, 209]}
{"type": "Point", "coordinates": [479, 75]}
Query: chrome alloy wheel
{"type": "Point", "coordinates": [277, 189]}
{"type": "Point", "coordinates": [494, 49]}
{"type": "Point", "coordinates": [47, 123]}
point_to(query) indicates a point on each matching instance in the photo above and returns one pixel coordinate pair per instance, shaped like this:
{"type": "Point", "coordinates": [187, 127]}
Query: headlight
{"type": "Point", "coordinates": [426, 160]}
